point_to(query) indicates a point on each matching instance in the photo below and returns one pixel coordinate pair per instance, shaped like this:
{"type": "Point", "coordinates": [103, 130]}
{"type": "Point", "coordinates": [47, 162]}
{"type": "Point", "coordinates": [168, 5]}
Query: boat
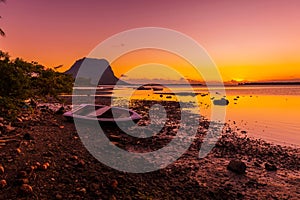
{"type": "Point", "coordinates": [102, 113]}
{"type": "Point", "coordinates": [221, 102]}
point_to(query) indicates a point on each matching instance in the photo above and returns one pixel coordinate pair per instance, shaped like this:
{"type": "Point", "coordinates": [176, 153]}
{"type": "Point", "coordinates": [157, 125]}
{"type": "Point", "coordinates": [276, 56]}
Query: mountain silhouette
{"type": "Point", "coordinates": [93, 71]}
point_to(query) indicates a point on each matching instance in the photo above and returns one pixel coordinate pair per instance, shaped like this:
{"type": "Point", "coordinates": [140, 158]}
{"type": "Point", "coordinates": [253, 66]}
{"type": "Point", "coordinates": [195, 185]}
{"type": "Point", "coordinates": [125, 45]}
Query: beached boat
{"type": "Point", "coordinates": [102, 113]}
{"type": "Point", "coordinates": [221, 102]}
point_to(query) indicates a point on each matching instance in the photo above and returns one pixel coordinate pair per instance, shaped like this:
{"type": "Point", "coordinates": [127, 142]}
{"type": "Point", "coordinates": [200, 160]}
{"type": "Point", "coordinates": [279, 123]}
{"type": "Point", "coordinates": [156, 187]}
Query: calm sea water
{"type": "Point", "coordinates": [271, 113]}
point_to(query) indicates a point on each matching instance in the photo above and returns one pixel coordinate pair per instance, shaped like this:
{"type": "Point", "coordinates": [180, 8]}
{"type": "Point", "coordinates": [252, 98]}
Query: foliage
{"type": "Point", "coordinates": [21, 80]}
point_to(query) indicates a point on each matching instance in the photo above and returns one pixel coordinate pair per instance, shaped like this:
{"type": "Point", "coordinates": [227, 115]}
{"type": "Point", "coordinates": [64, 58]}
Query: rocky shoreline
{"type": "Point", "coordinates": [42, 157]}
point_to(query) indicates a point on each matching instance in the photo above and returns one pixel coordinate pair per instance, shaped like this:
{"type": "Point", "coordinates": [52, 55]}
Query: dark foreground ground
{"type": "Point", "coordinates": [42, 157]}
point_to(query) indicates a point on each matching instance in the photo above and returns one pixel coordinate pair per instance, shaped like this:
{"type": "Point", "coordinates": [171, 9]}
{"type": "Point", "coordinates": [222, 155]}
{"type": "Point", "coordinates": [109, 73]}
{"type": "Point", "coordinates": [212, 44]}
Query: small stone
{"type": "Point", "coordinates": [1, 119]}
{"type": "Point", "coordinates": [43, 167]}
{"type": "Point", "coordinates": [112, 197]}
{"type": "Point", "coordinates": [114, 184]}
{"type": "Point", "coordinates": [81, 163]}
{"type": "Point", "coordinates": [270, 167]}
{"type": "Point", "coordinates": [1, 169]}
{"type": "Point", "coordinates": [47, 164]}
{"type": "Point", "coordinates": [81, 190]}
{"type": "Point", "coordinates": [28, 136]}
{"type": "Point", "coordinates": [3, 183]}
{"type": "Point", "coordinates": [60, 111]}
{"type": "Point", "coordinates": [22, 174]}
{"type": "Point", "coordinates": [75, 157]}
{"type": "Point", "coordinates": [26, 189]}
{"type": "Point", "coordinates": [58, 196]}
{"type": "Point", "coordinates": [237, 166]}
{"type": "Point", "coordinates": [37, 164]}
{"type": "Point", "coordinates": [61, 127]}
{"type": "Point", "coordinates": [18, 150]}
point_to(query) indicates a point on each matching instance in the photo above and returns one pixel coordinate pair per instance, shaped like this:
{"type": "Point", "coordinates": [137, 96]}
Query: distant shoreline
{"type": "Point", "coordinates": [271, 83]}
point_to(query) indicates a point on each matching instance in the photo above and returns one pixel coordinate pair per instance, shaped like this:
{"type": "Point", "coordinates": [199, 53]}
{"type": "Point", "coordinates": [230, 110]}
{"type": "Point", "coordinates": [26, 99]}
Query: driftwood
{"type": "Point", "coordinates": [9, 140]}
{"type": "Point", "coordinates": [9, 137]}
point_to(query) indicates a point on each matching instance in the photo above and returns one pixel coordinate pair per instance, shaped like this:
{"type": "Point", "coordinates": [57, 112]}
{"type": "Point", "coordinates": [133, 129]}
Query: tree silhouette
{"type": "Point", "coordinates": [1, 31]}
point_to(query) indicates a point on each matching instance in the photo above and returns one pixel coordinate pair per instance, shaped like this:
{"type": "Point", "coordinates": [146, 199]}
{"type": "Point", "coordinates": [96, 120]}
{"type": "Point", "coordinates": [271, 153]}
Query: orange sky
{"type": "Point", "coordinates": [248, 40]}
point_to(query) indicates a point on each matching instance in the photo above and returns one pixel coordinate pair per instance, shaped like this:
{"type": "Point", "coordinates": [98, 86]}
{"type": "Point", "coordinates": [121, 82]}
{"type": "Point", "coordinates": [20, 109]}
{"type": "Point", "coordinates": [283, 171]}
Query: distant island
{"type": "Point", "coordinates": [92, 64]}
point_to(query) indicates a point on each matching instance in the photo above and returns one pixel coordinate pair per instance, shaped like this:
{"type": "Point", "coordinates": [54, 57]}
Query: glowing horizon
{"type": "Point", "coordinates": [248, 41]}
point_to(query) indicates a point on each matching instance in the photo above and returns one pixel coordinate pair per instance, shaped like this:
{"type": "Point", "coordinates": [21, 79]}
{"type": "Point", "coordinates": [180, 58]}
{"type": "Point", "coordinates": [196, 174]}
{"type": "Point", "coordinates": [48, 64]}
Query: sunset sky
{"type": "Point", "coordinates": [248, 40]}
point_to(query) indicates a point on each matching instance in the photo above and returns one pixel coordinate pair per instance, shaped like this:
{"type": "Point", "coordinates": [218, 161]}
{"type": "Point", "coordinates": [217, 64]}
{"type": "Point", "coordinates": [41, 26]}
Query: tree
{"type": "Point", "coordinates": [21, 80]}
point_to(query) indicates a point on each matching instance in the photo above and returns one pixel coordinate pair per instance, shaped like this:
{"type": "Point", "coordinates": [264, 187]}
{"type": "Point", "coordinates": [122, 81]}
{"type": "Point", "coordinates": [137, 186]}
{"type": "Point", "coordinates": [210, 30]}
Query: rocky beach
{"type": "Point", "coordinates": [42, 157]}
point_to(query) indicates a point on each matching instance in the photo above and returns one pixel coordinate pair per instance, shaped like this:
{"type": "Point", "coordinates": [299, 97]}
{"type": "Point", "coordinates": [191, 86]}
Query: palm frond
{"type": "Point", "coordinates": [2, 32]}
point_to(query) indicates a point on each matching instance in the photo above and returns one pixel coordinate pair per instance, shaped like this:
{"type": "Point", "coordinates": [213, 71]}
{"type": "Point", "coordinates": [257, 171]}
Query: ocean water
{"type": "Point", "coordinates": [271, 113]}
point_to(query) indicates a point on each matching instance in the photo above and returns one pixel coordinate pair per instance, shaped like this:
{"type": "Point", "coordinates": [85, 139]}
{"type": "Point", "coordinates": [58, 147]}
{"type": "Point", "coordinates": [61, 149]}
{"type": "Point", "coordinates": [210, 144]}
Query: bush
{"type": "Point", "coordinates": [21, 80]}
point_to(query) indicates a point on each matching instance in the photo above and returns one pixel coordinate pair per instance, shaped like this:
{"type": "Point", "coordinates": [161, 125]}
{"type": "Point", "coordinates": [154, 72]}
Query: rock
{"type": "Point", "coordinates": [28, 136]}
{"type": "Point", "coordinates": [1, 119]}
{"type": "Point", "coordinates": [60, 111]}
{"type": "Point", "coordinates": [270, 167]}
{"type": "Point", "coordinates": [3, 183]}
{"type": "Point", "coordinates": [22, 174]}
{"type": "Point", "coordinates": [81, 163]}
{"type": "Point", "coordinates": [26, 189]}
{"type": "Point", "coordinates": [19, 119]}
{"type": "Point", "coordinates": [58, 196]}
{"type": "Point", "coordinates": [114, 184]}
{"type": "Point", "coordinates": [1, 169]}
{"type": "Point", "coordinates": [237, 166]}
{"type": "Point", "coordinates": [18, 150]}
{"type": "Point", "coordinates": [74, 157]}
{"type": "Point", "coordinates": [81, 190]}
{"type": "Point", "coordinates": [43, 167]}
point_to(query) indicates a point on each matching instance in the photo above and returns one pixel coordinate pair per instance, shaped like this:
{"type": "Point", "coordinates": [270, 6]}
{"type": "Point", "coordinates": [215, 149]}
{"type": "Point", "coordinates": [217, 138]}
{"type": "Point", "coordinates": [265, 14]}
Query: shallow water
{"type": "Point", "coordinates": [271, 113]}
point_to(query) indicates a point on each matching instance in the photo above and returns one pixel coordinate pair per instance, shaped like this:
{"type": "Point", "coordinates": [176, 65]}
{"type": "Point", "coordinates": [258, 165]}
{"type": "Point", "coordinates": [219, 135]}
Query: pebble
{"type": "Point", "coordinates": [22, 174]}
{"type": "Point", "coordinates": [237, 166]}
{"type": "Point", "coordinates": [18, 150]}
{"type": "Point", "coordinates": [81, 163]}
{"type": "Point", "coordinates": [114, 184]}
{"type": "Point", "coordinates": [1, 169]}
{"type": "Point", "coordinates": [58, 196]}
{"type": "Point", "coordinates": [270, 167]}
{"type": "Point", "coordinates": [26, 189]}
{"type": "Point", "coordinates": [3, 183]}
{"type": "Point", "coordinates": [81, 190]}
{"type": "Point", "coordinates": [28, 136]}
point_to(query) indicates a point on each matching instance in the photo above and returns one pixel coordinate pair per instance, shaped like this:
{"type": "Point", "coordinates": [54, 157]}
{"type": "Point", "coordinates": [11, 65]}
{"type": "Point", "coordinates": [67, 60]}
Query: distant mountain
{"type": "Point", "coordinates": [90, 70]}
